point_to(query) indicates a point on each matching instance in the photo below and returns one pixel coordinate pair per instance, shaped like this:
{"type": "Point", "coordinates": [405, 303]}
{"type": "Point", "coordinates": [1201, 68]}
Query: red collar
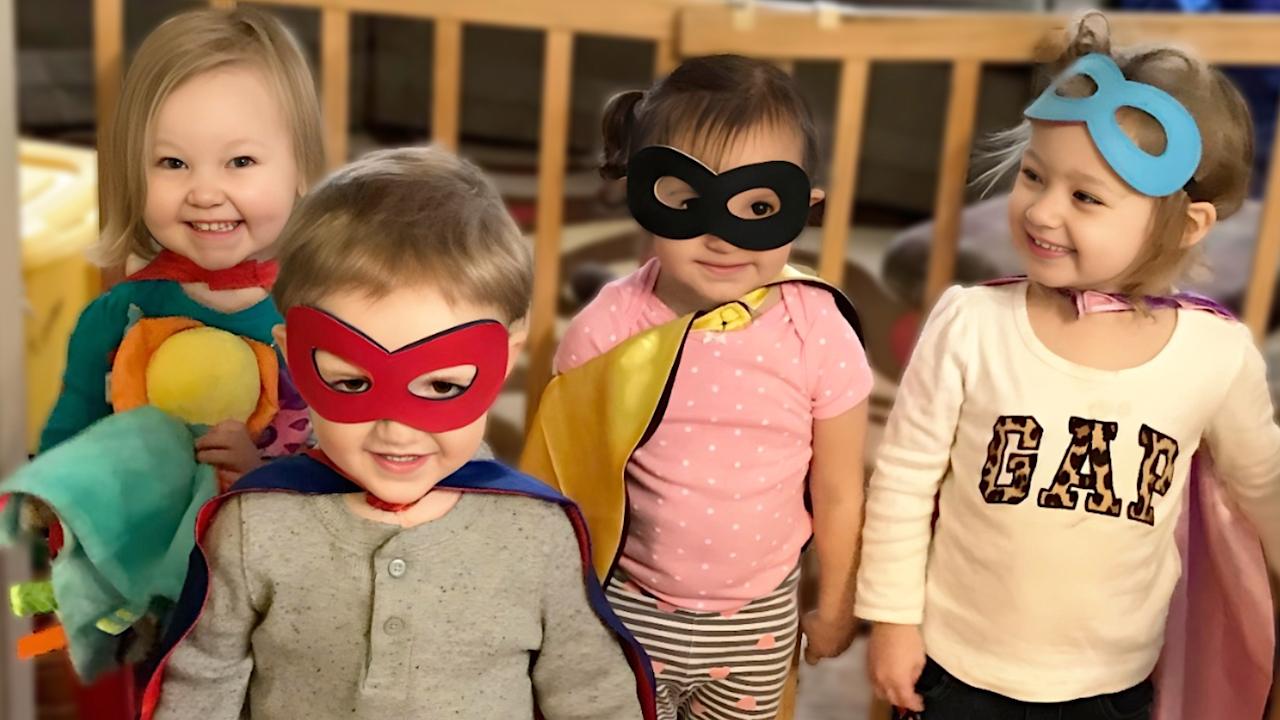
{"type": "Point", "coordinates": [169, 265]}
{"type": "Point", "coordinates": [374, 502]}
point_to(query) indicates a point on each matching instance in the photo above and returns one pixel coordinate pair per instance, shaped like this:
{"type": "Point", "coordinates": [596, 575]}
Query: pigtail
{"type": "Point", "coordinates": [619, 119]}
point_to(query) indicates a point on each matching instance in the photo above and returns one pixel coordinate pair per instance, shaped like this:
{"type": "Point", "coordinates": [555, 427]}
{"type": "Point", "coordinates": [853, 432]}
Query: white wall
{"type": "Point", "coordinates": [16, 683]}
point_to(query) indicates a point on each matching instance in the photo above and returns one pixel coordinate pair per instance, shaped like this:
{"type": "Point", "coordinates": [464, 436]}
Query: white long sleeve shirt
{"type": "Point", "coordinates": [1049, 573]}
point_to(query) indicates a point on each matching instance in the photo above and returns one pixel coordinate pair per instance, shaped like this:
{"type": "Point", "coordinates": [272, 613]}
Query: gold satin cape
{"type": "Point", "coordinates": [592, 418]}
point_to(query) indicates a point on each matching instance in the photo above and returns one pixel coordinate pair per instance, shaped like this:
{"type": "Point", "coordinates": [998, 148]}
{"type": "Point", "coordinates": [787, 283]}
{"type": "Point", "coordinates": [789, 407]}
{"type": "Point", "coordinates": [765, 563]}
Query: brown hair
{"type": "Point", "coordinates": [405, 217]}
{"type": "Point", "coordinates": [705, 103]}
{"type": "Point", "coordinates": [182, 48]}
{"type": "Point", "coordinates": [1220, 112]}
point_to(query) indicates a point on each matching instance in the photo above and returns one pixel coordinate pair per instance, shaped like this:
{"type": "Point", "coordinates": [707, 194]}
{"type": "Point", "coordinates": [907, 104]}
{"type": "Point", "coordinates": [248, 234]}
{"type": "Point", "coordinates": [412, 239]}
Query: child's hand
{"type": "Point", "coordinates": [827, 637]}
{"type": "Point", "coordinates": [228, 447]}
{"type": "Point", "coordinates": [895, 660]}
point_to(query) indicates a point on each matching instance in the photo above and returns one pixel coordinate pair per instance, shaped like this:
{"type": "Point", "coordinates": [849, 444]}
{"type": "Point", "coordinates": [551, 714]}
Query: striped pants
{"type": "Point", "coordinates": [712, 666]}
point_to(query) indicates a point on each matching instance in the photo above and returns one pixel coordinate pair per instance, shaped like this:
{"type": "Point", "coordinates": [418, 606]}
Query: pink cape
{"type": "Point", "coordinates": [1220, 638]}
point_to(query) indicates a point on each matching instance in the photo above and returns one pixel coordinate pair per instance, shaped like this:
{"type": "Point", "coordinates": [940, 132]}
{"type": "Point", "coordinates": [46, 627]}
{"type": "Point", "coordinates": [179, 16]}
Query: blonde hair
{"type": "Point", "coordinates": [1226, 131]}
{"type": "Point", "coordinates": [182, 48]}
{"type": "Point", "coordinates": [403, 218]}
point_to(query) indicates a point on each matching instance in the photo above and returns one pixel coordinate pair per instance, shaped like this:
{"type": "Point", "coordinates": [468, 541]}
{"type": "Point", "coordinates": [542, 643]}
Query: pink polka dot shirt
{"type": "Point", "coordinates": [717, 516]}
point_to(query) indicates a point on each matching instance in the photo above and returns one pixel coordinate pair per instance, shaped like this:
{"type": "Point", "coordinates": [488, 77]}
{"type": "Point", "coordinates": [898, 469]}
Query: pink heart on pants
{"type": "Point", "coordinates": [628, 586]}
{"type": "Point", "coordinates": [767, 642]}
{"type": "Point", "coordinates": [728, 613]}
{"type": "Point", "coordinates": [697, 707]}
{"type": "Point", "coordinates": [746, 703]}
{"type": "Point", "coordinates": [719, 673]}
{"type": "Point", "coordinates": [664, 606]}
{"type": "Point", "coordinates": [658, 667]}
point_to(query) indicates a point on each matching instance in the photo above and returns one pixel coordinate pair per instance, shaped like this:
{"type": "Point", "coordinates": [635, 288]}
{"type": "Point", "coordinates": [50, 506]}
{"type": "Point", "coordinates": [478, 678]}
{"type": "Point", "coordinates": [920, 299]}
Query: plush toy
{"type": "Point", "coordinates": [185, 395]}
{"type": "Point", "coordinates": [123, 495]}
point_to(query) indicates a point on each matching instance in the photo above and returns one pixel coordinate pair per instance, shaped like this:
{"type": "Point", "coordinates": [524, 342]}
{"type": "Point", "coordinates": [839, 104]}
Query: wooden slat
{"type": "Point", "coordinates": [108, 62]}
{"type": "Point", "coordinates": [335, 82]}
{"type": "Point", "coordinates": [957, 141]}
{"type": "Point", "coordinates": [880, 710]}
{"type": "Point", "coordinates": [446, 94]}
{"type": "Point", "coordinates": [552, 147]}
{"type": "Point", "coordinates": [665, 58]}
{"type": "Point", "coordinates": [948, 36]}
{"type": "Point", "coordinates": [645, 19]}
{"type": "Point", "coordinates": [1257, 306]}
{"type": "Point", "coordinates": [108, 76]}
{"type": "Point", "coordinates": [223, 4]}
{"type": "Point", "coordinates": [843, 183]}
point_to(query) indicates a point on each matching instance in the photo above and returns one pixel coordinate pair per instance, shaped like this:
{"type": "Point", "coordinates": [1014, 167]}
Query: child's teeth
{"type": "Point", "coordinates": [400, 458]}
{"type": "Point", "coordinates": [1047, 246]}
{"type": "Point", "coordinates": [215, 227]}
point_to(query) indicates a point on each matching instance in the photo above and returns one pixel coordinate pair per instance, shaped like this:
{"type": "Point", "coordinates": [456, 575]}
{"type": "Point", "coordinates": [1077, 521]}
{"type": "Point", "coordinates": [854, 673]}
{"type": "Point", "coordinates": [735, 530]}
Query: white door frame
{"type": "Point", "coordinates": [17, 684]}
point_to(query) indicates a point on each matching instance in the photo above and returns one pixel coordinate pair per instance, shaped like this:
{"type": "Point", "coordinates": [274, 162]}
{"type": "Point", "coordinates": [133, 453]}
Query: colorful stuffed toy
{"type": "Point", "coordinates": [125, 491]}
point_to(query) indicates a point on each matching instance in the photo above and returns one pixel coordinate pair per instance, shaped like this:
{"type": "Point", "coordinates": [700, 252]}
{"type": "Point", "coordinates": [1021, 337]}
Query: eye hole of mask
{"type": "Point", "coordinates": [752, 204]}
{"type": "Point", "coordinates": [755, 204]}
{"type": "Point", "coordinates": [445, 383]}
{"type": "Point", "coordinates": [340, 374]}
{"type": "Point", "coordinates": [675, 193]}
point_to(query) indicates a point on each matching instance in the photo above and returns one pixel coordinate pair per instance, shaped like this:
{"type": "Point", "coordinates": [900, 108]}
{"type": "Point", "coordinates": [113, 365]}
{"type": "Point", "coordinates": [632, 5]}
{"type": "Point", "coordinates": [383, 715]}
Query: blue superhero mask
{"type": "Point", "coordinates": [1151, 175]}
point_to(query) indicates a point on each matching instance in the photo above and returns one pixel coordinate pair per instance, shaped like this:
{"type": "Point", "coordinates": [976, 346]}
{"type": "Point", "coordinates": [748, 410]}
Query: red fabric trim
{"type": "Point", "coordinates": [169, 265]}
{"type": "Point", "coordinates": [56, 539]}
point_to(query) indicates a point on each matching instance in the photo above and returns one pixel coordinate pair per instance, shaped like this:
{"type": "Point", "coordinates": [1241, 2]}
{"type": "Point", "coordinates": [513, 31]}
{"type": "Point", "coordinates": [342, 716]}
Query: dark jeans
{"type": "Point", "coordinates": [946, 698]}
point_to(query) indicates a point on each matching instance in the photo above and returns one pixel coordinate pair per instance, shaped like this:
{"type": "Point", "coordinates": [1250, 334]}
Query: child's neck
{"type": "Point", "coordinates": [433, 506]}
{"type": "Point", "coordinates": [225, 301]}
{"type": "Point", "coordinates": [1104, 341]}
{"type": "Point", "coordinates": [680, 298]}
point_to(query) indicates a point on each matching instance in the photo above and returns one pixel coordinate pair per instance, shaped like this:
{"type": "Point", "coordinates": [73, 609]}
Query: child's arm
{"type": "Point", "coordinates": [911, 462]}
{"type": "Point", "coordinates": [836, 487]}
{"type": "Point", "coordinates": [1245, 442]}
{"type": "Point", "coordinates": [580, 670]}
{"type": "Point", "coordinates": [83, 400]}
{"type": "Point", "coordinates": [207, 677]}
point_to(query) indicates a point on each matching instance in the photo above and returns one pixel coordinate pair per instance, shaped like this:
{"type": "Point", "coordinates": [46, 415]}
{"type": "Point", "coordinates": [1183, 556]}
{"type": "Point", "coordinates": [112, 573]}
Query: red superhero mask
{"type": "Point", "coordinates": [482, 344]}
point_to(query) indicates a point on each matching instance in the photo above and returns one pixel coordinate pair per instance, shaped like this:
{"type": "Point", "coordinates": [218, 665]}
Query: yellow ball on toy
{"type": "Point", "coordinates": [204, 376]}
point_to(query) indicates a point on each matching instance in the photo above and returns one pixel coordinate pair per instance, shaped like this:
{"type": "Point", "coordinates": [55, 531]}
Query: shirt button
{"type": "Point", "coordinates": [394, 626]}
{"type": "Point", "coordinates": [397, 568]}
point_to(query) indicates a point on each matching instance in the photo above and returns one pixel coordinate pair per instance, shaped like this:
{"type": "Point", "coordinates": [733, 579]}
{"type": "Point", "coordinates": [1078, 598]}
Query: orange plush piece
{"type": "Point", "coordinates": [129, 370]}
{"type": "Point", "coordinates": [45, 641]}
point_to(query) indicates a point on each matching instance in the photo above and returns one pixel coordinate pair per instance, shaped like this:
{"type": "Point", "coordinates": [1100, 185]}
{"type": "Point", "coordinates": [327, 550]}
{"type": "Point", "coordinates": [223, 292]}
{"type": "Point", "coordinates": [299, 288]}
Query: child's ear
{"type": "Point", "coordinates": [1201, 217]}
{"type": "Point", "coordinates": [515, 343]}
{"type": "Point", "coordinates": [816, 196]}
{"type": "Point", "coordinates": [281, 337]}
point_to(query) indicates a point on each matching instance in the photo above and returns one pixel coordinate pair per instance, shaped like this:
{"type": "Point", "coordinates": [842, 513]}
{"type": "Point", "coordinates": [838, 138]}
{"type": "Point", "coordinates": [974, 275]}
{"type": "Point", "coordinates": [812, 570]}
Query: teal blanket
{"type": "Point", "coordinates": [127, 490]}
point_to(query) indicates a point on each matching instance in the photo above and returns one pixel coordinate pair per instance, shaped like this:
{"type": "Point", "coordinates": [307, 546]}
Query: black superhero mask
{"type": "Point", "coordinates": [707, 195]}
